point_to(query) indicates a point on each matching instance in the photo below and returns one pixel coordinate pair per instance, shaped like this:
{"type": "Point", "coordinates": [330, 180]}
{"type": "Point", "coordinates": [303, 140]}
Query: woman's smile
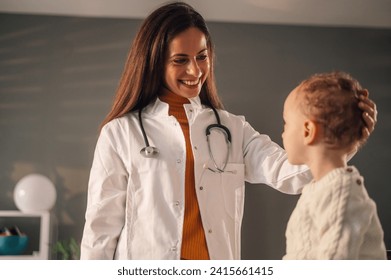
{"type": "Point", "coordinates": [190, 83]}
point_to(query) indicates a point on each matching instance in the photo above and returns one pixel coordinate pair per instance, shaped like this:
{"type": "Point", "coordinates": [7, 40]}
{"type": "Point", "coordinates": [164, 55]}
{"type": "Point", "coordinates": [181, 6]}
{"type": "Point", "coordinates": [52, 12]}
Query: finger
{"type": "Point", "coordinates": [367, 101]}
{"type": "Point", "coordinates": [365, 133]}
{"type": "Point", "coordinates": [372, 112]}
{"type": "Point", "coordinates": [369, 107]}
{"type": "Point", "coordinates": [369, 122]}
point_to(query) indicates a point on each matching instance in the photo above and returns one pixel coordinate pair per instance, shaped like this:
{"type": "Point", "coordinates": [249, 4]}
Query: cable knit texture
{"type": "Point", "coordinates": [194, 245]}
{"type": "Point", "coordinates": [335, 219]}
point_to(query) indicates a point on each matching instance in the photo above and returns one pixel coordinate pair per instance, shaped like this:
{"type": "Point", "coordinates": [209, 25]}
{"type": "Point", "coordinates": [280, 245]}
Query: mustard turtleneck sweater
{"type": "Point", "coordinates": [194, 245]}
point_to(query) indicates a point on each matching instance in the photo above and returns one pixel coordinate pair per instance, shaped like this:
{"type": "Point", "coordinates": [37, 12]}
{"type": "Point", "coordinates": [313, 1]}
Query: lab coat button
{"type": "Point", "coordinates": [358, 181]}
{"type": "Point", "coordinates": [349, 169]}
{"type": "Point", "coordinates": [177, 203]}
{"type": "Point", "coordinates": [210, 231]}
{"type": "Point", "coordinates": [201, 188]}
{"type": "Point", "coordinates": [178, 160]}
{"type": "Point", "coordinates": [173, 249]}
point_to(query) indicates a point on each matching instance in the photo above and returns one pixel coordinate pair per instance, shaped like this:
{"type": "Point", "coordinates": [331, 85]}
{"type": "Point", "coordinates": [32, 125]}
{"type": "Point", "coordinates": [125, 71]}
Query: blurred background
{"type": "Point", "coordinates": [60, 63]}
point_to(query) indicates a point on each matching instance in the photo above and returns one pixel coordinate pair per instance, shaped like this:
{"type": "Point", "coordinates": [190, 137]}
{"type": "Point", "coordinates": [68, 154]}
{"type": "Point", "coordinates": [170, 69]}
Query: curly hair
{"type": "Point", "coordinates": [331, 100]}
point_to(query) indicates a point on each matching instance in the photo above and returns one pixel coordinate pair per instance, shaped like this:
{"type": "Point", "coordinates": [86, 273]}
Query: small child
{"type": "Point", "coordinates": [334, 217]}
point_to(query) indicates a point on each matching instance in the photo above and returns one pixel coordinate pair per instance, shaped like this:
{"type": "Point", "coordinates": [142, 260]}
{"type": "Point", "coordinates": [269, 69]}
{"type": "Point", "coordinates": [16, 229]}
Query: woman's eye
{"type": "Point", "coordinates": [180, 61]}
{"type": "Point", "coordinates": [202, 57]}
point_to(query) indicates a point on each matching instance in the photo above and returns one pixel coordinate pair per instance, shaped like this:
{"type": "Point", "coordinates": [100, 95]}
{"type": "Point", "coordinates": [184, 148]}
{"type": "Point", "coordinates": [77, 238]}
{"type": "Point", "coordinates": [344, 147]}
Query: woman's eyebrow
{"type": "Point", "coordinates": [179, 54]}
{"type": "Point", "coordinates": [183, 54]}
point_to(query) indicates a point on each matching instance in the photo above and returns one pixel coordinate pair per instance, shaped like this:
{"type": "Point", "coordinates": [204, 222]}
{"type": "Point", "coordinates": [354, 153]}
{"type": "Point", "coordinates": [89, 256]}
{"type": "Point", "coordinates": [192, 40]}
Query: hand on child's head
{"type": "Point", "coordinates": [369, 114]}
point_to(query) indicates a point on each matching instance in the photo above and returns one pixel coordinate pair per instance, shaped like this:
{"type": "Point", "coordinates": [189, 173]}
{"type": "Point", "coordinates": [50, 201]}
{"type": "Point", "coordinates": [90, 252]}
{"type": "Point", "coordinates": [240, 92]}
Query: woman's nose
{"type": "Point", "coordinates": [193, 69]}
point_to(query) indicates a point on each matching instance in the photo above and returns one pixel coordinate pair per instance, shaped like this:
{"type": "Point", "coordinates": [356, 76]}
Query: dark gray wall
{"type": "Point", "coordinates": [58, 76]}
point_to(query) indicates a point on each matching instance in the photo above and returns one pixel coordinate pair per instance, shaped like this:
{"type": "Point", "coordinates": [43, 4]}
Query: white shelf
{"type": "Point", "coordinates": [44, 235]}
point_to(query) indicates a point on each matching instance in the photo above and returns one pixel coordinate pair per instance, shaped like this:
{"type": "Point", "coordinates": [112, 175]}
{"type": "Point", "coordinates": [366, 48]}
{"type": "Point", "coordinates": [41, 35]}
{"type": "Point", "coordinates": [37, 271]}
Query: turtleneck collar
{"type": "Point", "coordinates": [161, 107]}
{"type": "Point", "coordinates": [173, 100]}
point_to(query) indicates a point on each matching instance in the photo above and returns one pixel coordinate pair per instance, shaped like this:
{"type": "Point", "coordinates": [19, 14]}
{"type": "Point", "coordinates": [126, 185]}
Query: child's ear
{"type": "Point", "coordinates": [311, 131]}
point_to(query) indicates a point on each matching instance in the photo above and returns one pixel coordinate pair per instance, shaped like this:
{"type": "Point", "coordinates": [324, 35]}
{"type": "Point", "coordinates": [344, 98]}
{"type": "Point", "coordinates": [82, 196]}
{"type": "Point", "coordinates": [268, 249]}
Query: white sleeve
{"type": "Point", "coordinates": [105, 214]}
{"type": "Point", "coordinates": [267, 163]}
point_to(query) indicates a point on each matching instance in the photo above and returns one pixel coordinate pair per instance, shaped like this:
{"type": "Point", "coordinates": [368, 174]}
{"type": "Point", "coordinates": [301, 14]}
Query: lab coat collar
{"type": "Point", "coordinates": [196, 102]}
{"type": "Point", "coordinates": [160, 108]}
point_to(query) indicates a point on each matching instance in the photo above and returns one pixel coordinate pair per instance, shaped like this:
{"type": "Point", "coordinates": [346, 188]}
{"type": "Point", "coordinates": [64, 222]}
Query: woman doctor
{"type": "Point", "coordinates": [167, 180]}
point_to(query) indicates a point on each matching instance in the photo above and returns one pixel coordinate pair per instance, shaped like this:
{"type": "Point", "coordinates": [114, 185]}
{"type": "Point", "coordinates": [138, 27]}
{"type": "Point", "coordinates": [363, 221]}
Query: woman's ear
{"type": "Point", "coordinates": [311, 131]}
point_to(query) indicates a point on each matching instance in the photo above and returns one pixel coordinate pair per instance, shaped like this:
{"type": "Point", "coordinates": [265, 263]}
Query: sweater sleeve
{"type": "Point", "coordinates": [342, 217]}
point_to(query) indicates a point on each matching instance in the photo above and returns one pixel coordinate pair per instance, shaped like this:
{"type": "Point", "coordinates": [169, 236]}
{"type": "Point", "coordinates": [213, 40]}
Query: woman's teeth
{"type": "Point", "coordinates": [190, 83]}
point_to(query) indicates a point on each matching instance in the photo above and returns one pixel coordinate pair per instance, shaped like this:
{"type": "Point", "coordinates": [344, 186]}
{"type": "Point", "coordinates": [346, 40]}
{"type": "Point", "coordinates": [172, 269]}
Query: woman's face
{"type": "Point", "coordinates": [187, 63]}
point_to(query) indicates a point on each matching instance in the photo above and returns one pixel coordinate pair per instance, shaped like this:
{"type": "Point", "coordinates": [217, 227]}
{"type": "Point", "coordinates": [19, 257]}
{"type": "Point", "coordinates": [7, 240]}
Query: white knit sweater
{"type": "Point", "coordinates": [335, 219]}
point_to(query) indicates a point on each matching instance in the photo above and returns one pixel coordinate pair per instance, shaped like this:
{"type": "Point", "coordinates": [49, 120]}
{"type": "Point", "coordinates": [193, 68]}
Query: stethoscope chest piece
{"type": "Point", "coordinates": [149, 152]}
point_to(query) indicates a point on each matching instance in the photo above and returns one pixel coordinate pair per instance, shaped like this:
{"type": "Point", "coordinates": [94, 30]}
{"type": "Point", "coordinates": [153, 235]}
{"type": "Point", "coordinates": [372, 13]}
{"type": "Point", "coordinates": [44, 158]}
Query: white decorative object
{"type": "Point", "coordinates": [34, 193]}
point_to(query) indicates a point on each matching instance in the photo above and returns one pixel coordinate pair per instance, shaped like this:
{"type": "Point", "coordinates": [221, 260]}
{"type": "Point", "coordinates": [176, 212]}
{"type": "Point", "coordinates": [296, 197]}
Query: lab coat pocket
{"type": "Point", "coordinates": [233, 189]}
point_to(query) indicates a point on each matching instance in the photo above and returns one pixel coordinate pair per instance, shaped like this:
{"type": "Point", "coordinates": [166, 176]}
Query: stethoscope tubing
{"type": "Point", "coordinates": [149, 151]}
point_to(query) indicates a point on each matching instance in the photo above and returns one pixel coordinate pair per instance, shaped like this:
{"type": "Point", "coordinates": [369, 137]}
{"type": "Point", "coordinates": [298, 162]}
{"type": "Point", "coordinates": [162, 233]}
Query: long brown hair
{"type": "Point", "coordinates": [142, 78]}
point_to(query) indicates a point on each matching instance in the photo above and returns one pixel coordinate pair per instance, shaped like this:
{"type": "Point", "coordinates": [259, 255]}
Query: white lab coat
{"type": "Point", "coordinates": [136, 205]}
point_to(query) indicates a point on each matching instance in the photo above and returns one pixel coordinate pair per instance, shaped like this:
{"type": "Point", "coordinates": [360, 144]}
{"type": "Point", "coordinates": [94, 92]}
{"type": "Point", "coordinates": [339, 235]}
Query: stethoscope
{"type": "Point", "coordinates": [150, 152]}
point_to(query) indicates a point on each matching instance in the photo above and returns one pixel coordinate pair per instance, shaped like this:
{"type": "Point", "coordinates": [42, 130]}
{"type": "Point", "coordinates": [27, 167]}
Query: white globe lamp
{"type": "Point", "coordinates": [35, 193]}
